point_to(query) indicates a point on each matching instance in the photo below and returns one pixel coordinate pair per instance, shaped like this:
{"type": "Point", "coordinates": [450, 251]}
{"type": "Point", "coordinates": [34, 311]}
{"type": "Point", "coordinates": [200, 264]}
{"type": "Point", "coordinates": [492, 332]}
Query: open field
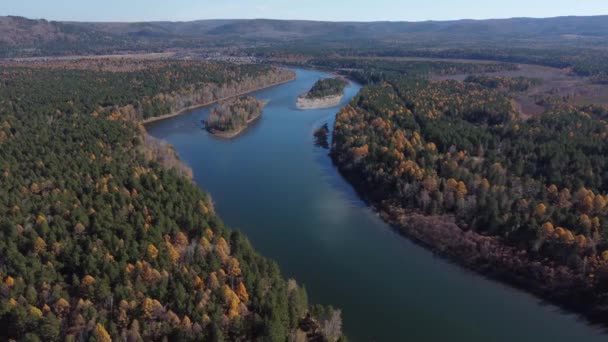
{"type": "Point", "coordinates": [557, 84]}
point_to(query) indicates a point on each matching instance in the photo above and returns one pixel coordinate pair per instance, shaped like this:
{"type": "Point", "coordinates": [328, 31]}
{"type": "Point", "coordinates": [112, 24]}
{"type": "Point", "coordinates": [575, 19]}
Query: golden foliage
{"type": "Point", "coordinates": [241, 291]}
{"type": "Point", "coordinates": [198, 283]}
{"type": "Point", "coordinates": [101, 334]}
{"type": "Point", "coordinates": [233, 311]}
{"type": "Point", "coordinates": [173, 253]}
{"type": "Point", "coordinates": [548, 228]}
{"type": "Point", "coordinates": [581, 241]}
{"type": "Point", "coordinates": [461, 190]}
{"type": "Point", "coordinates": [9, 281]}
{"type": "Point", "coordinates": [87, 281]}
{"type": "Point", "coordinates": [39, 245]}
{"type": "Point", "coordinates": [360, 152]}
{"type": "Point", "coordinates": [152, 251]}
{"type": "Point", "coordinates": [205, 244]}
{"type": "Point", "coordinates": [223, 249]}
{"type": "Point", "coordinates": [540, 210]}
{"type": "Point", "coordinates": [234, 268]}
{"type": "Point", "coordinates": [599, 203]}
{"type": "Point", "coordinates": [203, 208]}
{"type": "Point", "coordinates": [40, 219]}
{"type": "Point", "coordinates": [62, 306]}
{"type": "Point", "coordinates": [35, 311]}
{"type": "Point", "coordinates": [209, 234]}
{"type": "Point", "coordinates": [172, 318]}
{"type": "Point", "coordinates": [213, 282]}
{"type": "Point", "coordinates": [151, 307]}
{"type": "Point", "coordinates": [186, 323]}
{"type": "Point", "coordinates": [181, 240]}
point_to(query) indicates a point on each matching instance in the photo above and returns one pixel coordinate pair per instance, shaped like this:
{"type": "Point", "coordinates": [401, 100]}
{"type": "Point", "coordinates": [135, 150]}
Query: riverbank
{"type": "Point", "coordinates": [485, 255]}
{"type": "Point", "coordinates": [304, 204]}
{"type": "Point", "coordinates": [304, 103]}
{"type": "Point", "coordinates": [201, 105]}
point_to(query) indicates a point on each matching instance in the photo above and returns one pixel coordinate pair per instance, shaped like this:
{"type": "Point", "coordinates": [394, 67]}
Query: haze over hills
{"type": "Point", "coordinates": [38, 37]}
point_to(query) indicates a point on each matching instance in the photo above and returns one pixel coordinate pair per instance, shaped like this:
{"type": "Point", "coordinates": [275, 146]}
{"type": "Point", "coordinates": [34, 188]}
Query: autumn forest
{"type": "Point", "coordinates": [427, 180]}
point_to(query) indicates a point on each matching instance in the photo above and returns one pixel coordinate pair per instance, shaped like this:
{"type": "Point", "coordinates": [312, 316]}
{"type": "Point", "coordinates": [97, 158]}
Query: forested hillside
{"type": "Point", "coordinates": [546, 41]}
{"type": "Point", "coordinates": [102, 237]}
{"type": "Point", "coordinates": [455, 166]}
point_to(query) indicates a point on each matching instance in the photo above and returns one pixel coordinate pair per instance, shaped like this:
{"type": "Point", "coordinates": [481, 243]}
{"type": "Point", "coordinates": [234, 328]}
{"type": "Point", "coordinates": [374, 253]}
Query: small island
{"type": "Point", "coordinates": [325, 93]}
{"type": "Point", "coordinates": [228, 119]}
{"type": "Point", "coordinates": [322, 136]}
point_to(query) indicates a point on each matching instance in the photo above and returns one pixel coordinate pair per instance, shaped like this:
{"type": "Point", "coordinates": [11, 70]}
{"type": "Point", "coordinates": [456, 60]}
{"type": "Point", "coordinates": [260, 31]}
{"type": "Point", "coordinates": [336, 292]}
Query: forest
{"type": "Point", "coordinates": [102, 234]}
{"type": "Point", "coordinates": [512, 84]}
{"type": "Point", "coordinates": [327, 87]}
{"type": "Point", "coordinates": [142, 90]}
{"type": "Point", "coordinates": [231, 117]}
{"type": "Point", "coordinates": [457, 168]}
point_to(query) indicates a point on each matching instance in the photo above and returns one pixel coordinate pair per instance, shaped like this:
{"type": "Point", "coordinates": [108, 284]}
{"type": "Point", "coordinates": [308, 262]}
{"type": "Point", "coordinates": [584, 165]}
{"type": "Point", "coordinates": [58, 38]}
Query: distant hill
{"type": "Point", "coordinates": [30, 37]}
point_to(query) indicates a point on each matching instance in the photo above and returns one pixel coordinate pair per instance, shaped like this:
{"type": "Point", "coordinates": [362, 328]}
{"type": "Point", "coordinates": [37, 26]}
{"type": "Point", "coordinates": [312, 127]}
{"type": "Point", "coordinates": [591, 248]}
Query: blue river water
{"type": "Point", "coordinates": [273, 184]}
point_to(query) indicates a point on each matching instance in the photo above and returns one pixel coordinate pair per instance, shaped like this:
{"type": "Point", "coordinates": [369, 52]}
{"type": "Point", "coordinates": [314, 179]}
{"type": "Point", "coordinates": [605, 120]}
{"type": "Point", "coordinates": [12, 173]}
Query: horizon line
{"type": "Point", "coordinates": [303, 20]}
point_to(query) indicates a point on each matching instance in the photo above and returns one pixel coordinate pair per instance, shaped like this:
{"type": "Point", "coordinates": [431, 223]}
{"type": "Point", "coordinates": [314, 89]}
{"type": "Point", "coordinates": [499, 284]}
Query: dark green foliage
{"type": "Point", "coordinates": [373, 70]}
{"type": "Point", "coordinates": [514, 84]}
{"type": "Point", "coordinates": [321, 136]}
{"type": "Point", "coordinates": [327, 87]}
{"type": "Point", "coordinates": [97, 237]}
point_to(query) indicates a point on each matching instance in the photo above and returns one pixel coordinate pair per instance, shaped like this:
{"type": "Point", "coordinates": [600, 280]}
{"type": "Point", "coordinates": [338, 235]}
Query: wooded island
{"type": "Point", "coordinates": [230, 118]}
{"type": "Point", "coordinates": [325, 93]}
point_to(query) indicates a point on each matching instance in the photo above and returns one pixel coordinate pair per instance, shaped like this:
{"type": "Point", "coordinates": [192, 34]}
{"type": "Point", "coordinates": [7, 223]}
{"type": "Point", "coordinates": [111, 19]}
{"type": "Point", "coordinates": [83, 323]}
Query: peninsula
{"type": "Point", "coordinates": [325, 93]}
{"type": "Point", "coordinates": [228, 119]}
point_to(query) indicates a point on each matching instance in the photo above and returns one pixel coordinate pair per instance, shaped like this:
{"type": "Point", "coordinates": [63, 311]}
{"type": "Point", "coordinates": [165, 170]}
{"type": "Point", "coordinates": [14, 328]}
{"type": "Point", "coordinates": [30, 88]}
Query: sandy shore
{"type": "Point", "coordinates": [319, 103]}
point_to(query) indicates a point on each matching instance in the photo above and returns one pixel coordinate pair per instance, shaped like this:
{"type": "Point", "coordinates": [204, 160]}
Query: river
{"type": "Point", "coordinates": [273, 184]}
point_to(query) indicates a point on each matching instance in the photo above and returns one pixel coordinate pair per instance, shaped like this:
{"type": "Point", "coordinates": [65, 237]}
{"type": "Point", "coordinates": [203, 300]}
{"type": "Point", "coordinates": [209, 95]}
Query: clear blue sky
{"type": "Point", "coordinates": [334, 10]}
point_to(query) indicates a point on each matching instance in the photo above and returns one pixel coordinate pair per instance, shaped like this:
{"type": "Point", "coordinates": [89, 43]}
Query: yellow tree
{"type": "Point", "coordinates": [540, 210]}
{"type": "Point", "coordinates": [152, 251]}
{"type": "Point", "coordinates": [452, 185]}
{"type": "Point", "coordinates": [181, 240]}
{"type": "Point", "coordinates": [101, 334]}
{"type": "Point", "coordinates": [461, 189]}
{"type": "Point", "coordinates": [39, 245]}
{"type": "Point", "coordinates": [241, 291]}
{"type": "Point", "coordinates": [599, 203]}
{"type": "Point", "coordinates": [9, 281]}
{"type": "Point", "coordinates": [62, 307]}
{"type": "Point", "coordinates": [87, 281]}
{"type": "Point", "coordinates": [234, 268]}
{"type": "Point", "coordinates": [548, 228]}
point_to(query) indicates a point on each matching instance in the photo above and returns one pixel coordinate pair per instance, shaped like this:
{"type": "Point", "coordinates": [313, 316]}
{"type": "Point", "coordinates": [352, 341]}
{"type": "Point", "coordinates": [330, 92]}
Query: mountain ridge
{"type": "Point", "coordinates": [21, 36]}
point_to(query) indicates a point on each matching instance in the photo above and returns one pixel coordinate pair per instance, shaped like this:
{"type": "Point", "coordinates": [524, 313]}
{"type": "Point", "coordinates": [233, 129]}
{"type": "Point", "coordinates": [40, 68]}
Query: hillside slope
{"type": "Point", "coordinates": [40, 37]}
